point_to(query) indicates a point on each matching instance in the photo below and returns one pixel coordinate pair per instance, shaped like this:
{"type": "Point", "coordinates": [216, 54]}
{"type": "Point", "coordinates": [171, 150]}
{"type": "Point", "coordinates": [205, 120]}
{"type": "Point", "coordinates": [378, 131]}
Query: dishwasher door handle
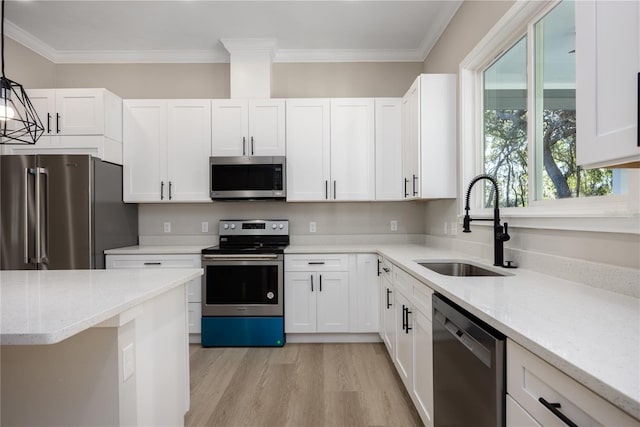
{"type": "Point", "coordinates": [477, 349]}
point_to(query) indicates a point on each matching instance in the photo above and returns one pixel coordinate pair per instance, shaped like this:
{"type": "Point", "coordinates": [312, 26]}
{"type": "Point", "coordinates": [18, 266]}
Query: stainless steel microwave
{"type": "Point", "coordinates": [247, 178]}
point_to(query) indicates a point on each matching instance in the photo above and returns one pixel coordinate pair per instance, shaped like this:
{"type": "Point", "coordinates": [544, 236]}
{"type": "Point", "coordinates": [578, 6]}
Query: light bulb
{"type": "Point", "coordinates": [6, 112]}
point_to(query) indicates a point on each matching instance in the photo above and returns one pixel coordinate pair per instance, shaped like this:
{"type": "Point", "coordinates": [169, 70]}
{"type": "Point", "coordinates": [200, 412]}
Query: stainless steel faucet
{"type": "Point", "coordinates": [500, 233]}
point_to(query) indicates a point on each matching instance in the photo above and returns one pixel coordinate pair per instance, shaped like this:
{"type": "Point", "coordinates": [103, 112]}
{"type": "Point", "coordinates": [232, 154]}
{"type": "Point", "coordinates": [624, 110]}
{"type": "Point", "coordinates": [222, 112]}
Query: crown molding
{"type": "Point", "coordinates": [30, 41]}
{"type": "Point", "coordinates": [348, 55]}
{"type": "Point", "coordinates": [434, 32]}
{"type": "Point", "coordinates": [141, 56]}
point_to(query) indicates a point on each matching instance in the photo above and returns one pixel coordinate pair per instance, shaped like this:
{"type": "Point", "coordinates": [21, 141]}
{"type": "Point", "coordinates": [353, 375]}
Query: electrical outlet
{"type": "Point", "coordinates": [312, 227]}
{"type": "Point", "coordinates": [453, 230]}
{"type": "Point", "coordinates": [167, 227]}
{"type": "Point", "coordinates": [205, 227]}
{"type": "Point", "coordinates": [446, 229]}
{"type": "Point", "coordinates": [128, 362]}
{"type": "Point", "coordinates": [394, 225]}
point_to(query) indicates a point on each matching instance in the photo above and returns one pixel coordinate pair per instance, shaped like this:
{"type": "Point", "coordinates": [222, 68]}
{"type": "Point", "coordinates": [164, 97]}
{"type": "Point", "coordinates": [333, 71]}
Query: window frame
{"type": "Point", "coordinates": [613, 213]}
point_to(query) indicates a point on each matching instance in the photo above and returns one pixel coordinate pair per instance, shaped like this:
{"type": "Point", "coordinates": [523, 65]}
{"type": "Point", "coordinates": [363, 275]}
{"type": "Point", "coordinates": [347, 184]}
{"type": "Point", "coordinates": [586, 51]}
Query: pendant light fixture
{"type": "Point", "coordinates": [19, 121]}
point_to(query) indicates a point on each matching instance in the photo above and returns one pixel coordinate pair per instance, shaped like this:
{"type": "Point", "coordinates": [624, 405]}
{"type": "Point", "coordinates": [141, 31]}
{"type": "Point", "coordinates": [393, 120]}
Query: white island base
{"type": "Point", "coordinates": [131, 369]}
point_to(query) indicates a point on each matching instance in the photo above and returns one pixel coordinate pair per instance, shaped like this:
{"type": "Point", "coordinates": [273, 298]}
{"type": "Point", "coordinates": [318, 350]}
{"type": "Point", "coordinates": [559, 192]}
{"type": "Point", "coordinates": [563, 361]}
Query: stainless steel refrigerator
{"type": "Point", "coordinates": [61, 212]}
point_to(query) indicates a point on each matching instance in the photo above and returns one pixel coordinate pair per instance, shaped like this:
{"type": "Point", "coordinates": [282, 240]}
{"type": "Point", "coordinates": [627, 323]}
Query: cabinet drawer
{"type": "Point", "coordinates": [194, 290]}
{"type": "Point", "coordinates": [319, 262]}
{"type": "Point", "coordinates": [195, 313]}
{"type": "Point", "coordinates": [386, 269]}
{"type": "Point", "coordinates": [402, 281]}
{"type": "Point", "coordinates": [530, 379]}
{"type": "Point", "coordinates": [518, 417]}
{"type": "Point", "coordinates": [422, 297]}
{"type": "Point", "coordinates": [153, 261]}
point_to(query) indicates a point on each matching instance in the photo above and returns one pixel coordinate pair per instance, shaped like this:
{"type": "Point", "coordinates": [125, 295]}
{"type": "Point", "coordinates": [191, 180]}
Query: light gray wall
{"type": "Point", "coordinates": [148, 80]}
{"type": "Point", "coordinates": [27, 67]}
{"type": "Point", "coordinates": [345, 79]}
{"type": "Point", "coordinates": [337, 219]}
{"type": "Point", "coordinates": [472, 21]}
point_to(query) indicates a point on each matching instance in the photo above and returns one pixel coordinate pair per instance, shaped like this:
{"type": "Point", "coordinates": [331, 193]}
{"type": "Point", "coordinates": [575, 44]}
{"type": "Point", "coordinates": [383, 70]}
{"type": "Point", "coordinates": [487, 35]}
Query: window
{"type": "Point", "coordinates": [518, 124]}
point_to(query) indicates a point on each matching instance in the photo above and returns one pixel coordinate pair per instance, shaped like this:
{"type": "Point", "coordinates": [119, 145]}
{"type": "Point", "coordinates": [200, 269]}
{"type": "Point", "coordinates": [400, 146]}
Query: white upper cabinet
{"type": "Point", "coordinates": [330, 149]}
{"type": "Point", "coordinates": [308, 149]}
{"type": "Point", "coordinates": [429, 137]}
{"type": "Point", "coordinates": [267, 127]}
{"type": "Point", "coordinates": [144, 149]}
{"type": "Point", "coordinates": [438, 136]}
{"type": "Point", "coordinates": [353, 149]}
{"type": "Point", "coordinates": [607, 79]}
{"type": "Point", "coordinates": [188, 150]}
{"type": "Point", "coordinates": [248, 127]}
{"type": "Point", "coordinates": [77, 121]}
{"type": "Point", "coordinates": [411, 142]}
{"type": "Point", "coordinates": [229, 127]}
{"type": "Point", "coordinates": [389, 184]}
{"type": "Point", "coordinates": [166, 150]}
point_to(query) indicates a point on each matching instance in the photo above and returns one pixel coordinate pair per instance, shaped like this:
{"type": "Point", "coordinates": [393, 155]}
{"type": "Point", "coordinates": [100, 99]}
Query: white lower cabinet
{"type": "Point", "coordinates": [316, 301]}
{"type": "Point", "coordinates": [194, 287]}
{"type": "Point", "coordinates": [331, 293]}
{"type": "Point", "coordinates": [406, 314]}
{"type": "Point", "coordinates": [423, 366]}
{"type": "Point", "coordinates": [387, 307]}
{"type": "Point", "coordinates": [316, 289]}
{"type": "Point", "coordinates": [547, 396]}
{"type": "Point", "coordinates": [518, 417]}
{"type": "Point", "coordinates": [404, 340]}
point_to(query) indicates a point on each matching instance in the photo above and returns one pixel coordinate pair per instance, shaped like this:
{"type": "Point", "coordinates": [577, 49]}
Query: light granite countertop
{"type": "Point", "coordinates": [48, 306]}
{"type": "Point", "coordinates": [591, 334]}
{"type": "Point", "coordinates": [158, 250]}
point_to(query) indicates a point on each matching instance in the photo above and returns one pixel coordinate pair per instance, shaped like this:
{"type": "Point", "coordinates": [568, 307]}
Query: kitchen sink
{"type": "Point", "coordinates": [458, 268]}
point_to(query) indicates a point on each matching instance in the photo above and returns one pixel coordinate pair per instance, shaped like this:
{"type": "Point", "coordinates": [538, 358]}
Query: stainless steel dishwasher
{"type": "Point", "coordinates": [468, 369]}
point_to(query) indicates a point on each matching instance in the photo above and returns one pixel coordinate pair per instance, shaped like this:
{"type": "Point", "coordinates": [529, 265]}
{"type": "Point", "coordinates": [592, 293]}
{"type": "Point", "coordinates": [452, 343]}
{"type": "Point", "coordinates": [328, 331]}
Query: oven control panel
{"type": "Point", "coordinates": [254, 227]}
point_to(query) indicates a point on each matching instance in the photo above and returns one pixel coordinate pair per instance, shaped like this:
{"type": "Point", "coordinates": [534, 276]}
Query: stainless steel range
{"type": "Point", "coordinates": [243, 285]}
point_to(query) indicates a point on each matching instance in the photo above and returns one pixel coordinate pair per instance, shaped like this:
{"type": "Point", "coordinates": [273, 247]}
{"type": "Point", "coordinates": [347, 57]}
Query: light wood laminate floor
{"type": "Point", "coordinates": [297, 385]}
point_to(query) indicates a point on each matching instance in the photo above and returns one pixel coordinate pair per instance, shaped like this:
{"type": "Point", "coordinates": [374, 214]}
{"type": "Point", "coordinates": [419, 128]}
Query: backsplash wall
{"type": "Point", "coordinates": [332, 219]}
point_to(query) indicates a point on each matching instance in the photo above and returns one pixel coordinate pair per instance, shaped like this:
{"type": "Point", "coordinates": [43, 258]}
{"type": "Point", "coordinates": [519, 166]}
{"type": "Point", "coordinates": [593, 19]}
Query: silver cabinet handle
{"type": "Point", "coordinates": [334, 189]}
{"type": "Point", "coordinates": [321, 283]}
{"type": "Point", "coordinates": [170, 190]}
{"type": "Point", "coordinates": [252, 146]}
{"type": "Point", "coordinates": [26, 215]}
{"type": "Point", "coordinates": [161, 190]}
{"type": "Point", "coordinates": [406, 181]}
{"type": "Point", "coordinates": [315, 263]}
{"type": "Point", "coordinates": [326, 190]}
{"type": "Point", "coordinates": [57, 122]}
{"type": "Point", "coordinates": [311, 282]}
{"type": "Point", "coordinates": [244, 146]}
{"type": "Point", "coordinates": [48, 122]}
{"type": "Point", "coordinates": [152, 263]}
{"type": "Point", "coordinates": [415, 193]}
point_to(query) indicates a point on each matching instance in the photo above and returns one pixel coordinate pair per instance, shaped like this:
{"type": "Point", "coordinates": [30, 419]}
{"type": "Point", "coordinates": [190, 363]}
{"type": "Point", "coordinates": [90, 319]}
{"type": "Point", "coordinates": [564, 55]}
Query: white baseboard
{"type": "Point", "coordinates": [333, 338]}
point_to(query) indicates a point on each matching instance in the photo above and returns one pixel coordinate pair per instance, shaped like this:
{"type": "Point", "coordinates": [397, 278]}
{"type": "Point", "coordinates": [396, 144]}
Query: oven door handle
{"type": "Point", "coordinates": [236, 257]}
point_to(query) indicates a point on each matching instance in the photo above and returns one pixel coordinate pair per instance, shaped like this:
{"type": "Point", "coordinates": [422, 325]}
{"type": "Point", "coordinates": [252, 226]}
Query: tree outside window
{"type": "Point", "coordinates": [507, 157]}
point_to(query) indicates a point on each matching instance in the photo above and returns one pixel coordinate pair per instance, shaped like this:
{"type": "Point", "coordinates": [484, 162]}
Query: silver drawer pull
{"type": "Point", "coordinates": [152, 263]}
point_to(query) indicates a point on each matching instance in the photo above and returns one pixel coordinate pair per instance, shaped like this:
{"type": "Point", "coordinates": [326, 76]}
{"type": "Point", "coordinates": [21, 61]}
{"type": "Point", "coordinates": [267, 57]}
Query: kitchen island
{"type": "Point", "coordinates": [94, 347]}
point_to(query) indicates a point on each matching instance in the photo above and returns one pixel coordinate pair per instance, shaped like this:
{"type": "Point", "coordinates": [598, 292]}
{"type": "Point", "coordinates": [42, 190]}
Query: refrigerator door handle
{"type": "Point", "coordinates": [27, 172]}
{"type": "Point", "coordinates": [39, 258]}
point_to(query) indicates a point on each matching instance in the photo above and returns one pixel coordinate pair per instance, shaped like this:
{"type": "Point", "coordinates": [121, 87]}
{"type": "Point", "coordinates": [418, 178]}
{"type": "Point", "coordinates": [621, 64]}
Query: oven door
{"type": "Point", "coordinates": [243, 285]}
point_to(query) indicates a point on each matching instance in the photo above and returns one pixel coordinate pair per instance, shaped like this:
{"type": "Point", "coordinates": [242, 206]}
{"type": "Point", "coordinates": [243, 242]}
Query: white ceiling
{"type": "Point", "coordinates": [190, 30]}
